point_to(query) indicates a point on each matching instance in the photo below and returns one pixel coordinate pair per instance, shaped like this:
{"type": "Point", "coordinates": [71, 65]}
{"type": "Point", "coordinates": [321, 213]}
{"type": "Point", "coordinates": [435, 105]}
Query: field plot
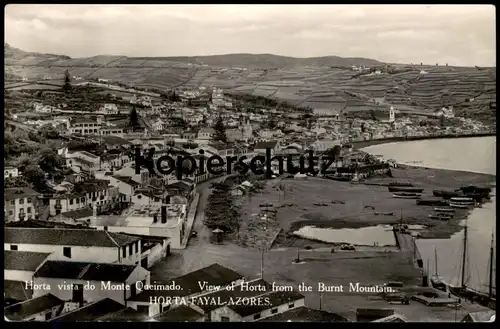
{"type": "Point", "coordinates": [37, 72]}
{"type": "Point", "coordinates": [155, 63]}
{"type": "Point", "coordinates": [127, 62]}
{"type": "Point", "coordinates": [199, 77]}
{"type": "Point", "coordinates": [126, 75]}
{"type": "Point", "coordinates": [36, 87]}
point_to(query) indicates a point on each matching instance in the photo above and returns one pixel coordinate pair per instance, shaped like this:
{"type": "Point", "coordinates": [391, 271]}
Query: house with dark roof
{"type": "Point", "coordinates": [85, 282]}
{"type": "Point", "coordinates": [20, 203]}
{"type": "Point", "coordinates": [75, 244]}
{"type": "Point", "coordinates": [15, 292]}
{"type": "Point", "coordinates": [95, 311]}
{"type": "Point", "coordinates": [213, 275]}
{"type": "Point", "coordinates": [79, 216]}
{"type": "Point", "coordinates": [42, 308]}
{"type": "Point", "coordinates": [261, 147]}
{"type": "Point", "coordinates": [20, 265]}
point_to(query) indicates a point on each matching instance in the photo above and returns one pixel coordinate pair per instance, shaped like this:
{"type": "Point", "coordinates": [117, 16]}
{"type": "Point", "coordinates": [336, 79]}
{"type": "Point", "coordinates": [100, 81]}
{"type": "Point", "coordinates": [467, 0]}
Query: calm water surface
{"type": "Point", "coordinates": [467, 154]}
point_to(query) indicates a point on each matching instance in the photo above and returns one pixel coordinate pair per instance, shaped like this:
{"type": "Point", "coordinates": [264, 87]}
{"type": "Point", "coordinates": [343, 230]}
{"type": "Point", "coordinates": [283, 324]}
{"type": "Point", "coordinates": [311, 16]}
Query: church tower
{"type": "Point", "coordinates": [392, 114]}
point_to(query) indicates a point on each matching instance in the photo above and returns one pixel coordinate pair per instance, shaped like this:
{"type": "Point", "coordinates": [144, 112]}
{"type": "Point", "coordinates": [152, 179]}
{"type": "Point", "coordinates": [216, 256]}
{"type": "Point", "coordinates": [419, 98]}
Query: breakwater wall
{"type": "Point", "coordinates": [406, 243]}
{"type": "Point", "coordinates": [366, 143]}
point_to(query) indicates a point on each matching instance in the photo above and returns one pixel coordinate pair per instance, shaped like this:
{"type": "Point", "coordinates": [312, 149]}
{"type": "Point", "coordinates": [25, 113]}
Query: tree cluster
{"type": "Point", "coordinates": [220, 131]}
{"type": "Point", "coordinates": [220, 212]}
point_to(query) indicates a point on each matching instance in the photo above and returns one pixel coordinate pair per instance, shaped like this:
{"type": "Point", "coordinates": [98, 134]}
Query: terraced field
{"type": "Point", "coordinates": [324, 87]}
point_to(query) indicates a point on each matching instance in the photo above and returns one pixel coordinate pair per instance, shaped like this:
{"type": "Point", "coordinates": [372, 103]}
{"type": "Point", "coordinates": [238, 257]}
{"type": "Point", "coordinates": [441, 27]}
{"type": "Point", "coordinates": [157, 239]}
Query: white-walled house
{"type": "Point", "coordinates": [114, 281]}
{"type": "Point", "coordinates": [10, 172]}
{"type": "Point", "coordinates": [20, 203]}
{"type": "Point", "coordinates": [20, 265]}
{"type": "Point", "coordinates": [215, 275]}
{"type": "Point", "coordinates": [75, 244]}
{"type": "Point", "coordinates": [42, 308]}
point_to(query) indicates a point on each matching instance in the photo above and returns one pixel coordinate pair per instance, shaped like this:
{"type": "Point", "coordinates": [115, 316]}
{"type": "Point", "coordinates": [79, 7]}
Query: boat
{"type": "Point", "coordinates": [405, 189]}
{"type": "Point", "coordinates": [401, 195]}
{"type": "Point", "coordinates": [475, 189]}
{"type": "Point", "coordinates": [437, 209]}
{"type": "Point", "coordinates": [461, 199]}
{"type": "Point", "coordinates": [462, 291]}
{"type": "Point", "coordinates": [435, 280]}
{"type": "Point", "coordinates": [432, 202]}
{"type": "Point", "coordinates": [401, 184]}
{"type": "Point", "coordinates": [446, 194]}
{"type": "Point", "coordinates": [459, 205]}
{"type": "Point", "coordinates": [440, 216]}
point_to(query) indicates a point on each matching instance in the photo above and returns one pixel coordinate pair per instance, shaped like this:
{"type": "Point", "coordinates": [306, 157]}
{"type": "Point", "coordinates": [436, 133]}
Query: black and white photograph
{"type": "Point", "coordinates": [249, 163]}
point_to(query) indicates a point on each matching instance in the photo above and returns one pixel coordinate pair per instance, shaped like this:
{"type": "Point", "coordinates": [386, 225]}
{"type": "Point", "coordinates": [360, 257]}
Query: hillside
{"type": "Point", "coordinates": [324, 83]}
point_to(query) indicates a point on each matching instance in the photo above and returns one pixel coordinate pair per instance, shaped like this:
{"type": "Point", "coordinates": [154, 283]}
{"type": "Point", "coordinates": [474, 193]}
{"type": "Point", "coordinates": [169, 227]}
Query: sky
{"type": "Point", "coordinates": [461, 35]}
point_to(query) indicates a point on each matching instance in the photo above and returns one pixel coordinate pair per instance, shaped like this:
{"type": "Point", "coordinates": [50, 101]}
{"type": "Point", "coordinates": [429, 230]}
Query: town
{"type": "Point", "coordinates": [78, 211]}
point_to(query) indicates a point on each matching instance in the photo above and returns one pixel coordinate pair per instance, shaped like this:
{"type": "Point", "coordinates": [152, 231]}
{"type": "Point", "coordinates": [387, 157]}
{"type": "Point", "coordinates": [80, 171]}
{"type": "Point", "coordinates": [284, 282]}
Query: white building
{"type": "Point", "coordinates": [108, 109]}
{"type": "Point", "coordinates": [84, 127]}
{"type": "Point", "coordinates": [206, 133]}
{"type": "Point", "coordinates": [87, 282]}
{"type": "Point", "coordinates": [75, 244]}
{"type": "Point", "coordinates": [10, 172]}
{"type": "Point", "coordinates": [20, 204]}
{"type": "Point", "coordinates": [20, 265]}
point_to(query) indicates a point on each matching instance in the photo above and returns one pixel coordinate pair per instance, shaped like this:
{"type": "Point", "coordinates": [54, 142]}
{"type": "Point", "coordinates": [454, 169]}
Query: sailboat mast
{"type": "Point", "coordinates": [464, 258]}
{"type": "Point", "coordinates": [435, 262]}
{"type": "Point", "coordinates": [490, 285]}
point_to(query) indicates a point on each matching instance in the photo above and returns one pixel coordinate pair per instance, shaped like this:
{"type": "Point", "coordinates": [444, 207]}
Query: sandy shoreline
{"type": "Point", "coordinates": [361, 202]}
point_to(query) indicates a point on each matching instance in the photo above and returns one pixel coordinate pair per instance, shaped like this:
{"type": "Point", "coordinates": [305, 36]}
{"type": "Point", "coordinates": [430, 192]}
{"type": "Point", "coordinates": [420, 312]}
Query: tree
{"type": "Point", "coordinates": [67, 81]}
{"type": "Point", "coordinates": [134, 118]}
{"type": "Point", "coordinates": [35, 176]}
{"type": "Point", "coordinates": [50, 161]}
{"type": "Point", "coordinates": [220, 131]}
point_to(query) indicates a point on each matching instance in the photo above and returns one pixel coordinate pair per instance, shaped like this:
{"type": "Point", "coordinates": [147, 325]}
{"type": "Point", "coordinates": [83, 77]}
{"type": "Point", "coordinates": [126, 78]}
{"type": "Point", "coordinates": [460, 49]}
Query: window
{"type": "Point", "coordinates": [83, 200]}
{"type": "Point", "coordinates": [28, 210]}
{"type": "Point", "coordinates": [48, 316]}
{"type": "Point", "coordinates": [11, 213]}
{"type": "Point", "coordinates": [291, 305]}
{"type": "Point", "coordinates": [21, 201]}
{"type": "Point", "coordinates": [67, 252]}
{"type": "Point", "coordinates": [13, 247]}
{"type": "Point", "coordinates": [124, 251]}
{"type": "Point", "coordinates": [70, 201]}
{"type": "Point", "coordinates": [136, 245]}
{"type": "Point", "coordinates": [130, 250]}
{"type": "Point", "coordinates": [29, 200]}
{"type": "Point", "coordinates": [58, 202]}
{"type": "Point", "coordinates": [13, 202]}
{"type": "Point", "coordinates": [77, 201]}
{"type": "Point", "coordinates": [274, 311]}
{"type": "Point", "coordinates": [224, 319]}
{"type": "Point", "coordinates": [256, 316]}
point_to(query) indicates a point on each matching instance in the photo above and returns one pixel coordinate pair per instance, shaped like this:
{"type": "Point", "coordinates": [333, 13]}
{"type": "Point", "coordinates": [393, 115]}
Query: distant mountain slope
{"type": "Point", "coordinates": [266, 60]}
{"type": "Point", "coordinates": [15, 53]}
{"type": "Point", "coordinates": [323, 83]}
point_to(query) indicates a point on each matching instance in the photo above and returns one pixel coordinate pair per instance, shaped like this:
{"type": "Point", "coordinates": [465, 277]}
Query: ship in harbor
{"type": "Point", "coordinates": [488, 298]}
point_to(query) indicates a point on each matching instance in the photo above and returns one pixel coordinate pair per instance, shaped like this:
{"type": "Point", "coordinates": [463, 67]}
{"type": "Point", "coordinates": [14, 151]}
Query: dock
{"type": "Point", "coordinates": [406, 243]}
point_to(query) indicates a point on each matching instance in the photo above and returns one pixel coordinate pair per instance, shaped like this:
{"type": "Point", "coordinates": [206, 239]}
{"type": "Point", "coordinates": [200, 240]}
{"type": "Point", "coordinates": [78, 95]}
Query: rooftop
{"type": "Point", "coordinates": [265, 145]}
{"type": "Point", "coordinates": [14, 193]}
{"type": "Point", "coordinates": [91, 312]}
{"type": "Point", "coordinates": [16, 290]}
{"type": "Point", "coordinates": [23, 310]}
{"type": "Point", "coordinates": [23, 260]}
{"type": "Point", "coordinates": [275, 299]}
{"type": "Point", "coordinates": [77, 214]}
{"type": "Point", "coordinates": [84, 271]}
{"type": "Point", "coordinates": [305, 314]}
{"type": "Point", "coordinates": [68, 237]}
{"type": "Point", "coordinates": [214, 275]}
{"type": "Point", "coordinates": [181, 313]}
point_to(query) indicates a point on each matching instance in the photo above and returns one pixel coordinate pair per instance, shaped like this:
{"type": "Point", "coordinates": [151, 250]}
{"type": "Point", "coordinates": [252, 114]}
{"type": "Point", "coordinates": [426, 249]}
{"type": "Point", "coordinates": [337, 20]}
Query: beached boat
{"type": "Point", "coordinates": [459, 205]}
{"type": "Point", "coordinates": [461, 199]}
{"type": "Point", "coordinates": [405, 189]}
{"type": "Point", "coordinates": [432, 202]}
{"type": "Point", "coordinates": [402, 195]}
{"type": "Point", "coordinates": [475, 189]}
{"type": "Point", "coordinates": [446, 194]}
{"type": "Point", "coordinates": [401, 184]}
{"type": "Point", "coordinates": [435, 280]}
{"type": "Point", "coordinates": [441, 216]}
{"type": "Point", "coordinates": [446, 210]}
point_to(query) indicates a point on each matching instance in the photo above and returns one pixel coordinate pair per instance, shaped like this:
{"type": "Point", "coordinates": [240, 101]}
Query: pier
{"type": "Point", "coordinates": [406, 243]}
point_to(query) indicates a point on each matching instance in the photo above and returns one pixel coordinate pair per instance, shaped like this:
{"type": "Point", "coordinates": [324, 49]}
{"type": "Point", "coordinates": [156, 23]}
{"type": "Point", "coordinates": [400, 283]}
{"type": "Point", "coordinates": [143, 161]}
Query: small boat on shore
{"type": "Point", "coordinates": [432, 202]}
{"type": "Point", "coordinates": [446, 194]}
{"type": "Point", "coordinates": [401, 184]}
{"type": "Point", "coordinates": [441, 216]}
{"type": "Point", "coordinates": [405, 189]}
{"type": "Point", "coordinates": [459, 205]}
{"type": "Point", "coordinates": [461, 199]}
{"type": "Point", "coordinates": [445, 210]}
{"type": "Point", "coordinates": [403, 195]}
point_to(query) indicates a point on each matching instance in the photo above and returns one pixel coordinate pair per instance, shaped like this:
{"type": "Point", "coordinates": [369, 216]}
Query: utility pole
{"type": "Point", "coordinates": [320, 300]}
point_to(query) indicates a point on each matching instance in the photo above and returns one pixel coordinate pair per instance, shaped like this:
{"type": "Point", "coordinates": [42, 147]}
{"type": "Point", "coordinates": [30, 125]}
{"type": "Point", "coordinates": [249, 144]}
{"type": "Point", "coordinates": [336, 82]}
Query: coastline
{"type": "Point", "coordinates": [372, 142]}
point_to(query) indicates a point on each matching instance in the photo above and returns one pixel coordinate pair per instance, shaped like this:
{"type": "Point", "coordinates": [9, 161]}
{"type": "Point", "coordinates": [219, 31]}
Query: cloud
{"type": "Point", "coordinates": [464, 34]}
